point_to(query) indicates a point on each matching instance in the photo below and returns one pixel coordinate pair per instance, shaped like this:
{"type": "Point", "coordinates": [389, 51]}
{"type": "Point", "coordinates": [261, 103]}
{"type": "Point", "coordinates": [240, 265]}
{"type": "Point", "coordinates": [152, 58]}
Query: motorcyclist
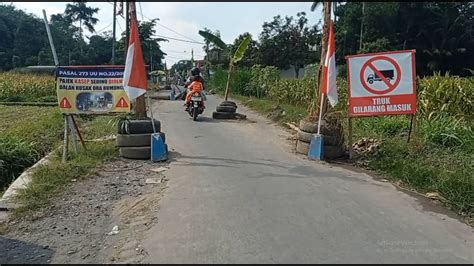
{"type": "Point", "coordinates": [194, 72]}
{"type": "Point", "coordinates": [196, 86]}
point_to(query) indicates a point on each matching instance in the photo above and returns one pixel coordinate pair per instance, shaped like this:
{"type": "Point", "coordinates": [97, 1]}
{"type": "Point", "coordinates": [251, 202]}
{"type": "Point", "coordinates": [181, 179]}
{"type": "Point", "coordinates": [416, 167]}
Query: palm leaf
{"type": "Point", "coordinates": [315, 5]}
{"type": "Point", "coordinates": [239, 54]}
{"type": "Point", "coordinates": [214, 39]}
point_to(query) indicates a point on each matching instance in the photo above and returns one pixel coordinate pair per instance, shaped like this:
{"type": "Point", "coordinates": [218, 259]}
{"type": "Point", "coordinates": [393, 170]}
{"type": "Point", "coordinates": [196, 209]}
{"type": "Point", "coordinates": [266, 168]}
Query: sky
{"type": "Point", "coordinates": [183, 20]}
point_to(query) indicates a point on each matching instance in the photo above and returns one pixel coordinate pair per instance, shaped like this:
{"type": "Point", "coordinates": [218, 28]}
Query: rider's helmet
{"type": "Point", "coordinates": [195, 71]}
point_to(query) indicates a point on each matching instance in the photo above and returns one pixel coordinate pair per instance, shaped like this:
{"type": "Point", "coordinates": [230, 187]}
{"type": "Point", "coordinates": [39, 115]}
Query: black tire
{"type": "Point", "coordinates": [141, 153]}
{"type": "Point", "coordinates": [138, 126]}
{"type": "Point", "coordinates": [302, 147]}
{"type": "Point", "coordinates": [161, 97]}
{"type": "Point", "coordinates": [133, 140]}
{"type": "Point", "coordinates": [309, 126]}
{"type": "Point", "coordinates": [221, 115]}
{"type": "Point", "coordinates": [226, 109]}
{"type": "Point", "coordinates": [166, 148]}
{"type": "Point", "coordinates": [228, 103]}
{"type": "Point", "coordinates": [240, 116]}
{"type": "Point", "coordinates": [195, 114]}
{"type": "Point", "coordinates": [304, 136]}
{"type": "Point", "coordinates": [333, 152]}
{"type": "Point", "coordinates": [328, 140]}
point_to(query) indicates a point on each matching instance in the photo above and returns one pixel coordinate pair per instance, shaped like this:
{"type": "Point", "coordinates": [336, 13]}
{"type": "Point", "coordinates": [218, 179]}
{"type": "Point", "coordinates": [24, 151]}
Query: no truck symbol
{"type": "Point", "coordinates": [380, 74]}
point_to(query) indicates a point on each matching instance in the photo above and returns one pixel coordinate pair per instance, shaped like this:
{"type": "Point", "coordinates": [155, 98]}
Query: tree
{"type": "Point", "coordinates": [441, 33]}
{"type": "Point", "coordinates": [288, 41]}
{"type": "Point", "coordinates": [237, 55]}
{"type": "Point", "coordinates": [80, 12]}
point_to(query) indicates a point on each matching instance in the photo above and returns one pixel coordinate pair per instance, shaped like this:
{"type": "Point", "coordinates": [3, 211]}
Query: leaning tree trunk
{"type": "Point", "coordinates": [324, 43]}
{"type": "Point", "coordinates": [229, 76]}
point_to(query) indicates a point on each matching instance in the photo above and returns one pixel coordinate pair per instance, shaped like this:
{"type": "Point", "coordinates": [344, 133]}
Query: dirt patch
{"type": "Point", "coordinates": [79, 227]}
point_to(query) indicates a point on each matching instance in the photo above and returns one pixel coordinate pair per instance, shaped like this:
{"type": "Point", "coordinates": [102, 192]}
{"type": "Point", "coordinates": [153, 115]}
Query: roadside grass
{"type": "Point", "coordinates": [49, 181]}
{"type": "Point", "coordinates": [27, 133]}
{"type": "Point", "coordinates": [264, 106]}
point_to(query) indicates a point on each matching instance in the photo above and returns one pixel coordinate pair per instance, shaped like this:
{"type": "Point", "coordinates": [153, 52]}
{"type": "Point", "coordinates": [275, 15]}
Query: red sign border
{"type": "Point", "coordinates": [381, 57]}
{"type": "Point", "coordinates": [374, 54]}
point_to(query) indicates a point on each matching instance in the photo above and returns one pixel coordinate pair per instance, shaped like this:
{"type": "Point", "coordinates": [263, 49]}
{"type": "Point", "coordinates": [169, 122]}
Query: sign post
{"type": "Point", "coordinates": [381, 84]}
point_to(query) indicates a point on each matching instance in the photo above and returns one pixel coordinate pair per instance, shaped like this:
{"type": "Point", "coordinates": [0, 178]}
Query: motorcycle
{"type": "Point", "coordinates": [196, 106]}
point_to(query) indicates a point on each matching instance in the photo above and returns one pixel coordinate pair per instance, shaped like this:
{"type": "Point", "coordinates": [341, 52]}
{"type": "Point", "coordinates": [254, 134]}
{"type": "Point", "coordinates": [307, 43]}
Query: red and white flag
{"type": "Point", "coordinates": [329, 71]}
{"type": "Point", "coordinates": [134, 77]}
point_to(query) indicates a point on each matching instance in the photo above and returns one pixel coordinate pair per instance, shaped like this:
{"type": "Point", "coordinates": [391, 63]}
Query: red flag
{"type": "Point", "coordinates": [329, 71]}
{"type": "Point", "coordinates": [134, 77]}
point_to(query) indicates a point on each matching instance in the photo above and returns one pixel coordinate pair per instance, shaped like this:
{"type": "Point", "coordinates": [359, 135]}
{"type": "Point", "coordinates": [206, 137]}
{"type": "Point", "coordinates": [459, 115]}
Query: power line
{"type": "Point", "coordinates": [176, 32]}
{"type": "Point", "coordinates": [175, 39]}
{"type": "Point", "coordinates": [183, 52]}
{"type": "Point", "coordinates": [182, 35]}
{"type": "Point", "coordinates": [141, 12]}
{"type": "Point", "coordinates": [99, 31]}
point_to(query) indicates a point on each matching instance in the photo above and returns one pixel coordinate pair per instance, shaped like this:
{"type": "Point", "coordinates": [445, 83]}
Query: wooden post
{"type": "Point", "coordinates": [78, 132]}
{"type": "Point", "coordinates": [140, 104]}
{"type": "Point", "coordinates": [72, 129]}
{"type": "Point", "coordinates": [113, 33]}
{"type": "Point", "coordinates": [324, 46]}
{"type": "Point", "coordinates": [127, 26]}
{"type": "Point", "coordinates": [66, 140]}
{"type": "Point", "coordinates": [411, 127]}
{"type": "Point", "coordinates": [351, 152]}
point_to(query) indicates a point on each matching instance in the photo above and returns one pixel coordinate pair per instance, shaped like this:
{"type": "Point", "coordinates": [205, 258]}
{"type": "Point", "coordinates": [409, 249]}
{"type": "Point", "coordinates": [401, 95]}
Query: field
{"type": "Point", "coordinates": [15, 87]}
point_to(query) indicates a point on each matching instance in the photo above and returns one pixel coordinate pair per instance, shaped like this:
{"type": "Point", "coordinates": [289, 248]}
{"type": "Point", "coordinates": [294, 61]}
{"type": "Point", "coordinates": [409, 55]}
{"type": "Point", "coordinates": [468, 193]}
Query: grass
{"type": "Point", "coordinates": [265, 106]}
{"type": "Point", "coordinates": [49, 181]}
{"type": "Point", "coordinates": [428, 168]}
{"type": "Point", "coordinates": [27, 133]}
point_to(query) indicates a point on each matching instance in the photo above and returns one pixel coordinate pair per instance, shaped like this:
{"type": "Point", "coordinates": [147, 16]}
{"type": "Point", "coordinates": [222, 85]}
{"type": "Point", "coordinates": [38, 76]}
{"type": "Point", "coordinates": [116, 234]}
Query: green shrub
{"type": "Point", "coordinates": [240, 83]}
{"type": "Point", "coordinates": [218, 79]}
{"type": "Point", "coordinates": [15, 156]}
{"type": "Point", "coordinates": [447, 131]}
{"type": "Point", "coordinates": [262, 80]}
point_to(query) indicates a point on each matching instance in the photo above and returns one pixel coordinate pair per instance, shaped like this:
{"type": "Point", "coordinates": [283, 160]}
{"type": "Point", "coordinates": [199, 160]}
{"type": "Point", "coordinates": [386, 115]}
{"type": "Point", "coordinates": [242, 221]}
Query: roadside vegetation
{"type": "Point", "coordinates": [28, 133]}
{"type": "Point", "coordinates": [15, 87]}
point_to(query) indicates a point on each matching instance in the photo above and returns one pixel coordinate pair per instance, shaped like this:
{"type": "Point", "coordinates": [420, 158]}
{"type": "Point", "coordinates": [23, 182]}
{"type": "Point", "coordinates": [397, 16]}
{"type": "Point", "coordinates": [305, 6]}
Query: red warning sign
{"type": "Point", "coordinates": [382, 83]}
{"type": "Point", "coordinates": [122, 103]}
{"type": "Point", "coordinates": [64, 103]}
{"type": "Point", "coordinates": [390, 76]}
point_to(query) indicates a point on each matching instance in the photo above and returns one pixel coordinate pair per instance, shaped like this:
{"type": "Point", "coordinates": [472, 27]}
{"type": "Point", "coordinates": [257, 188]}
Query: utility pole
{"type": "Point", "coordinates": [113, 33]}
{"type": "Point", "coordinates": [140, 105]}
{"type": "Point", "coordinates": [362, 26]}
{"type": "Point", "coordinates": [127, 26]}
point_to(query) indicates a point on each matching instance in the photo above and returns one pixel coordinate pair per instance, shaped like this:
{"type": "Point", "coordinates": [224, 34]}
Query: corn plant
{"type": "Point", "coordinates": [27, 87]}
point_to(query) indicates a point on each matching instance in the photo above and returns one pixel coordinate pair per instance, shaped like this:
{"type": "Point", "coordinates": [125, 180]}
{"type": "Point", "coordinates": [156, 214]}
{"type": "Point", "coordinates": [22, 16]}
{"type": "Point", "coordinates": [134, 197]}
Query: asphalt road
{"type": "Point", "coordinates": [239, 194]}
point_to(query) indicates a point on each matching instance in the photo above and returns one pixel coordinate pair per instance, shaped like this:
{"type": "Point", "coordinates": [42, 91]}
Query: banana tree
{"type": "Point", "coordinates": [238, 55]}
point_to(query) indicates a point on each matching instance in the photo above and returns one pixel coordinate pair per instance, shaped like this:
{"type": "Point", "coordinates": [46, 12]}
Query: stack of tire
{"type": "Point", "coordinates": [134, 138]}
{"type": "Point", "coordinates": [333, 138]}
{"type": "Point", "coordinates": [225, 110]}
